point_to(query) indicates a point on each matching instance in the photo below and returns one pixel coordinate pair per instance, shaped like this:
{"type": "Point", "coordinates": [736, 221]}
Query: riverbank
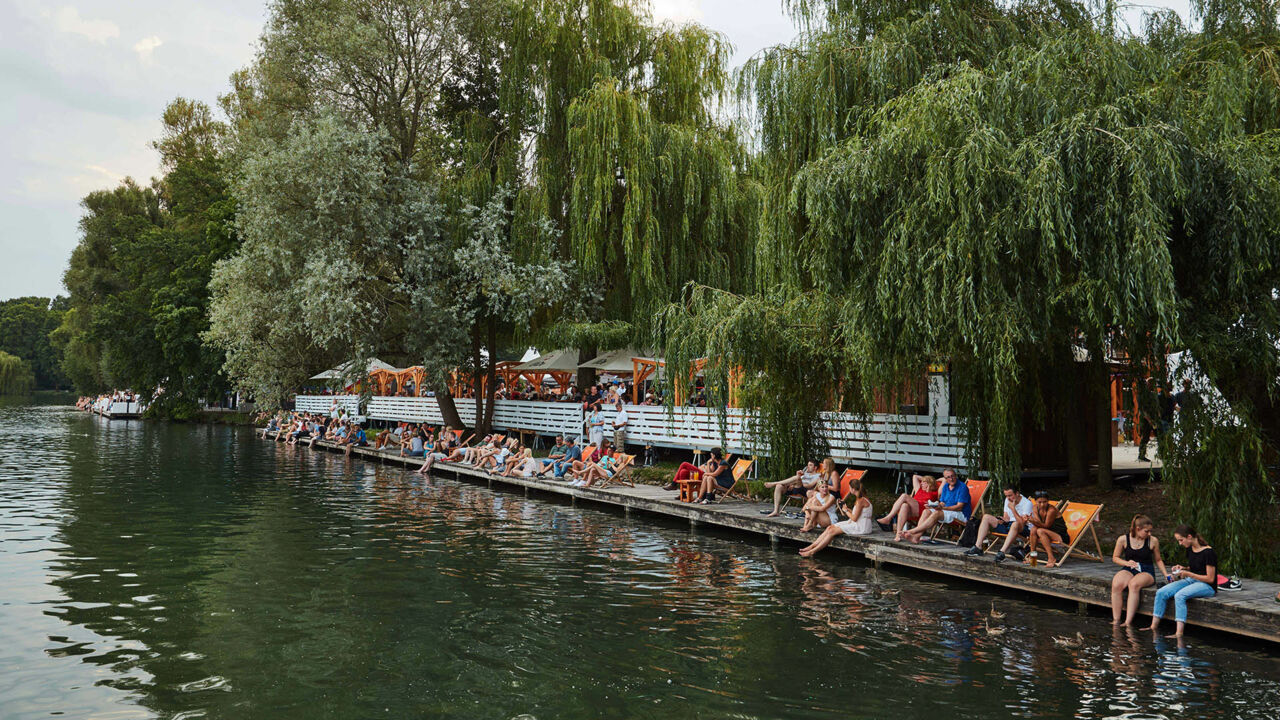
{"type": "Point", "coordinates": [1251, 612]}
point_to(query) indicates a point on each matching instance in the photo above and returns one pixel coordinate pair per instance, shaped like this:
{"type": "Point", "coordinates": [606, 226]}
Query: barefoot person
{"type": "Point", "coordinates": [908, 508]}
{"type": "Point", "coordinates": [820, 510]}
{"type": "Point", "coordinates": [953, 505]}
{"type": "Point", "coordinates": [1044, 518]}
{"type": "Point", "coordinates": [1138, 555]}
{"type": "Point", "coordinates": [1197, 580]}
{"type": "Point", "coordinates": [857, 508]}
{"type": "Point", "coordinates": [799, 485]}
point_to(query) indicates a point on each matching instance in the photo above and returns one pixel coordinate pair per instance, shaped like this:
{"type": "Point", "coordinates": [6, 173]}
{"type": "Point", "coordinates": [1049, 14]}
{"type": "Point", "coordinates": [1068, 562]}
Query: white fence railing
{"type": "Point", "coordinates": [321, 403]}
{"type": "Point", "coordinates": [882, 439]}
{"type": "Point", "coordinates": [118, 408]}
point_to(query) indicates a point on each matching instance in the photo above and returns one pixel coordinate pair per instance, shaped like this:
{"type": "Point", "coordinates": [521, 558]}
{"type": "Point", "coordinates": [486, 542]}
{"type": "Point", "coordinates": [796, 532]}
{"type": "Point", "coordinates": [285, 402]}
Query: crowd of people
{"type": "Point", "coordinates": [829, 506]}
{"type": "Point", "coordinates": [88, 402]}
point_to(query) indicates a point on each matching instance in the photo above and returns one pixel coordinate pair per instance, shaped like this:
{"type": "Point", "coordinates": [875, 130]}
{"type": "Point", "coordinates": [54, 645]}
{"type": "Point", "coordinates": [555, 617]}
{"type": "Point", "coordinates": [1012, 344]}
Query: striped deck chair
{"type": "Point", "coordinates": [1079, 518]}
{"type": "Point", "coordinates": [621, 473]}
{"type": "Point", "coordinates": [740, 470]}
{"type": "Point", "coordinates": [977, 497]}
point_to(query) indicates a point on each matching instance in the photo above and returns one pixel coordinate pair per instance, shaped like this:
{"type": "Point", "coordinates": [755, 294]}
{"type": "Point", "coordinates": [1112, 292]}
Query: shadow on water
{"type": "Point", "coordinates": [155, 570]}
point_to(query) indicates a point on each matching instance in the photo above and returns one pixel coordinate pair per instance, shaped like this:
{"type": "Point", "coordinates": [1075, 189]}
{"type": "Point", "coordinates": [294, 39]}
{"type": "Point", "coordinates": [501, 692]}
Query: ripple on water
{"type": "Point", "coordinates": [295, 583]}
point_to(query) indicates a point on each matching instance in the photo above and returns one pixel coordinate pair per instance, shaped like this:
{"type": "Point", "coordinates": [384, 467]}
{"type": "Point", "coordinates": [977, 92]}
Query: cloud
{"type": "Point", "coordinates": [677, 11]}
{"type": "Point", "coordinates": [146, 46]}
{"type": "Point", "coordinates": [68, 20]}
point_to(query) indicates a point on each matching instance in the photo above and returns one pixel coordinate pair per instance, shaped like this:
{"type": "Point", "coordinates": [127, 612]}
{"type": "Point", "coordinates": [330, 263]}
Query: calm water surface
{"type": "Point", "coordinates": [151, 570]}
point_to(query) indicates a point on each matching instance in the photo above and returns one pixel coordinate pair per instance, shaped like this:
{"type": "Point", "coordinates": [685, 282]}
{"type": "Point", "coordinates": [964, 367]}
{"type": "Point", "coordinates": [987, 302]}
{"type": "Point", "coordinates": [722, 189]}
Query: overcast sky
{"type": "Point", "coordinates": [82, 85]}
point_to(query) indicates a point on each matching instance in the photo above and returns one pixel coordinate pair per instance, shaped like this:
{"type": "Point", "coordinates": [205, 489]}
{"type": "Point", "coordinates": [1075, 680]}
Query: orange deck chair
{"type": "Point", "coordinates": [740, 469]}
{"type": "Point", "coordinates": [1079, 518]}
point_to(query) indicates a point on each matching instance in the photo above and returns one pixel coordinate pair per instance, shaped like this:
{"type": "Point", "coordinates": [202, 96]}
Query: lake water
{"type": "Point", "coordinates": [179, 571]}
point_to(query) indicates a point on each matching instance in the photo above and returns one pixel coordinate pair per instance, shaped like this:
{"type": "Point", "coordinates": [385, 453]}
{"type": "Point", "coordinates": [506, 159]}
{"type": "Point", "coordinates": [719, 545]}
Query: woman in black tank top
{"type": "Point", "coordinates": [1137, 552]}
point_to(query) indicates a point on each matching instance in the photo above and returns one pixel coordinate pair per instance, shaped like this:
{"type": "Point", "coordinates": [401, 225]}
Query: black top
{"type": "Point", "coordinates": [1142, 554]}
{"type": "Point", "coordinates": [1198, 563]}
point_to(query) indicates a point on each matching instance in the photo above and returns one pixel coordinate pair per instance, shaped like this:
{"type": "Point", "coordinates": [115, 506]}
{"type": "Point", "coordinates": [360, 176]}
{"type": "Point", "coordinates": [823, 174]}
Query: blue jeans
{"type": "Point", "coordinates": [561, 467]}
{"type": "Point", "coordinates": [1181, 591]}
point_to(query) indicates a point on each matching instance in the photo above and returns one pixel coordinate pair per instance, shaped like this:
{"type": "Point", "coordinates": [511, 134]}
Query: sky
{"type": "Point", "coordinates": [83, 83]}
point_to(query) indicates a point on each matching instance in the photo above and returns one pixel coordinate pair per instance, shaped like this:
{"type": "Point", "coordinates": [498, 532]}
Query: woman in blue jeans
{"type": "Point", "coordinates": [1198, 579]}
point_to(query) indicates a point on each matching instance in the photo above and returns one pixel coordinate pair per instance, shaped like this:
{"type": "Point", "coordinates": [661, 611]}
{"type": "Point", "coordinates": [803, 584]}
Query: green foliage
{"type": "Point", "coordinates": [16, 377]}
{"type": "Point", "coordinates": [138, 280]}
{"type": "Point", "coordinates": [25, 324]}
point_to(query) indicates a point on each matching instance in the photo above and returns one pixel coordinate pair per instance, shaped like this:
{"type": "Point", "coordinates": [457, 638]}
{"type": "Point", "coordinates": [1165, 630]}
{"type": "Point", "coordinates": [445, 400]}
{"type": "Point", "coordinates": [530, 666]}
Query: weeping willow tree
{"type": "Point", "coordinates": [647, 189]}
{"type": "Point", "coordinates": [1021, 191]}
{"type": "Point", "coordinates": [16, 377]}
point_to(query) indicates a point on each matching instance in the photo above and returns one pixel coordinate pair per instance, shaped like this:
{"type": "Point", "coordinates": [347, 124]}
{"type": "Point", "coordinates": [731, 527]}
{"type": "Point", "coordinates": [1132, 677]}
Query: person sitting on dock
{"type": "Point", "coordinates": [472, 455]}
{"type": "Point", "coordinates": [522, 465]}
{"type": "Point", "coordinates": [717, 477]}
{"type": "Point", "coordinates": [1015, 522]}
{"type": "Point", "coordinates": [387, 438]}
{"type": "Point", "coordinates": [572, 454]}
{"type": "Point", "coordinates": [860, 520]}
{"type": "Point", "coordinates": [496, 456]}
{"type": "Point", "coordinates": [336, 433]}
{"type": "Point", "coordinates": [953, 505]}
{"type": "Point", "coordinates": [1198, 579]}
{"type": "Point", "coordinates": [1137, 552]}
{"type": "Point", "coordinates": [801, 485]}
{"type": "Point", "coordinates": [907, 509]}
{"type": "Point", "coordinates": [512, 458]}
{"type": "Point", "coordinates": [601, 469]}
{"type": "Point", "coordinates": [579, 467]}
{"type": "Point", "coordinates": [445, 448]}
{"type": "Point", "coordinates": [556, 454]}
{"type": "Point", "coordinates": [1047, 528]}
{"type": "Point", "coordinates": [414, 444]}
{"type": "Point", "coordinates": [820, 510]}
{"type": "Point", "coordinates": [273, 427]}
{"type": "Point", "coordinates": [355, 438]}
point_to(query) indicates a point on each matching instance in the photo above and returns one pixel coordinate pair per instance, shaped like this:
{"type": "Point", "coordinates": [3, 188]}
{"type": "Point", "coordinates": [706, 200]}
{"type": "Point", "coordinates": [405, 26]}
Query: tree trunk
{"type": "Point", "coordinates": [1073, 427]}
{"type": "Point", "coordinates": [1100, 399]}
{"type": "Point", "coordinates": [491, 389]}
{"type": "Point", "coordinates": [448, 408]}
{"type": "Point", "coordinates": [586, 376]}
{"type": "Point", "coordinates": [477, 389]}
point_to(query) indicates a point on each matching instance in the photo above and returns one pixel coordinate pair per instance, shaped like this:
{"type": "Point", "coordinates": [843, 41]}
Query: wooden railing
{"type": "Point", "coordinates": [885, 440]}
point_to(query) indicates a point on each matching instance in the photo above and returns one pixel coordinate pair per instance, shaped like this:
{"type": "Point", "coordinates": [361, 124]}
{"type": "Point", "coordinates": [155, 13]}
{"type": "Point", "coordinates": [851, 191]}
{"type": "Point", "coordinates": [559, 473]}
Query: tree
{"type": "Point", "coordinates": [25, 324]}
{"type": "Point", "coordinates": [16, 377]}
{"type": "Point", "coordinates": [647, 189]}
{"type": "Point", "coordinates": [1004, 187]}
{"type": "Point", "coordinates": [326, 227]}
{"type": "Point", "coordinates": [139, 278]}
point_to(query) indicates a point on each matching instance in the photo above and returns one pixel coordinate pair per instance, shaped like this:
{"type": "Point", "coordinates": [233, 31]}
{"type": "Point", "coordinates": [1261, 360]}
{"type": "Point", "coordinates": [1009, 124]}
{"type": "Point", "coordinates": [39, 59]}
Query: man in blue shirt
{"type": "Point", "coordinates": [355, 437]}
{"type": "Point", "coordinates": [571, 453]}
{"type": "Point", "coordinates": [953, 505]}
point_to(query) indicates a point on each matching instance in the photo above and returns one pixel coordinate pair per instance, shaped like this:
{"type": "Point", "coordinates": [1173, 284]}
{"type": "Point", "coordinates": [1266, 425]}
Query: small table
{"type": "Point", "coordinates": [688, 488]}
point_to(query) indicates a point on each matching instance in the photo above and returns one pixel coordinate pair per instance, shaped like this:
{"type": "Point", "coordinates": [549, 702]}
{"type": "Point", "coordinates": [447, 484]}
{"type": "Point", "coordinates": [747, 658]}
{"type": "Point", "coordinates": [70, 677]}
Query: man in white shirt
{"type": "Point", "coordinates": [1015, 521]}
{"type": "Point", "coordinates": [620, 427]}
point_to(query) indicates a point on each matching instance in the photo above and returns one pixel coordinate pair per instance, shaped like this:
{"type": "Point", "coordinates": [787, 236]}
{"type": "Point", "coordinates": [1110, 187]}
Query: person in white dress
{"type": "Point", "coordinates": [857, 508]}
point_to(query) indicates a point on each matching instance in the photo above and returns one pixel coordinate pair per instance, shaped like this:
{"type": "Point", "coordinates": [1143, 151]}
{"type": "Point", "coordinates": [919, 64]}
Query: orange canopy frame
{"type": "Point", "coordinates": [644, 368]}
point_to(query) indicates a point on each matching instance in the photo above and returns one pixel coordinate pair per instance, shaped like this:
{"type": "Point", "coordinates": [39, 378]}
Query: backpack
{"type": "Point", "coordinates": [970, 535]}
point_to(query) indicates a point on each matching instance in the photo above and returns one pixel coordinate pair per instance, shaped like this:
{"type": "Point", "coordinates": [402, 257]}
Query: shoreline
{"type": "Point", "coordinates": [1251, 612]}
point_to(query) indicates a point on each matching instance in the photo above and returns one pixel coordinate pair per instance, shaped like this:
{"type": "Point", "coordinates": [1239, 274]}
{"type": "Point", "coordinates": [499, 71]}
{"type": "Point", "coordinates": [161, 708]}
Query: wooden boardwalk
{"type": "Point", "coordinates": [1251, 612]}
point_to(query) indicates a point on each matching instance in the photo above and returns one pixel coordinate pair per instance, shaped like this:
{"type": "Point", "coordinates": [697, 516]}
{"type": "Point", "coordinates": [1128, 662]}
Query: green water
{"type": "Point", "coordinates": [151, 570]}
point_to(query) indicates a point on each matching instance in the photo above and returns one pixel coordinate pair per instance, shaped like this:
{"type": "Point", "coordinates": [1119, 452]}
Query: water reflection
{"type": "Point", "coordinates": [170, 571]}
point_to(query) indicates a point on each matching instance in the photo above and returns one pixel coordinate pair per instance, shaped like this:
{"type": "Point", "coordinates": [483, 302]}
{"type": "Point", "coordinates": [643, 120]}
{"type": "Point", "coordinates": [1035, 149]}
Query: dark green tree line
{"type": "Point", "coordinates": [138, 280]}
